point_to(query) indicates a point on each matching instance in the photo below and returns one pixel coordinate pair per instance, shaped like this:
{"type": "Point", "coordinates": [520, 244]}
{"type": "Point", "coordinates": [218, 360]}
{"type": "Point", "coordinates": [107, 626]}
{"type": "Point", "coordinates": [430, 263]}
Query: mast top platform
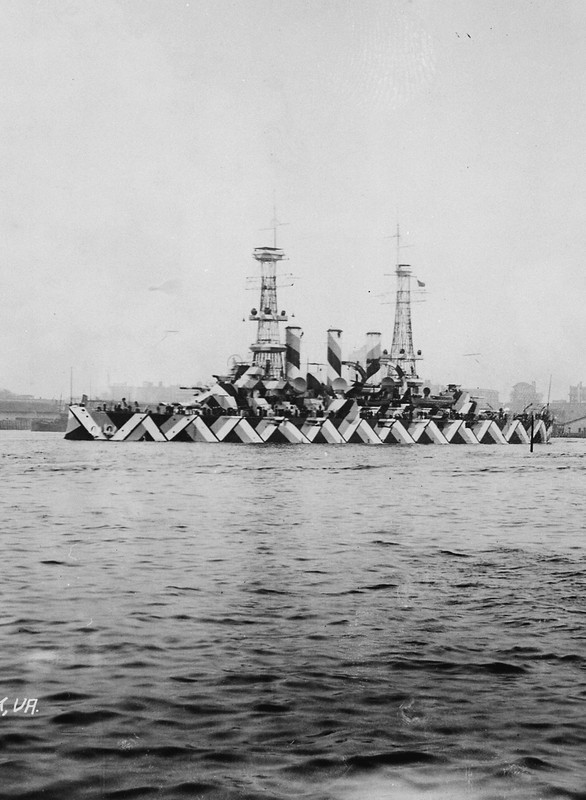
{"type": "Point", "coordinates": [268, 254]}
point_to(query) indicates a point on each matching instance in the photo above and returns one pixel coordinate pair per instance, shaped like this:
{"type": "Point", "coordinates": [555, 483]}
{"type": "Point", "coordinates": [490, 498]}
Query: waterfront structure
{"type": "Point", "coordinates": [573, 428]}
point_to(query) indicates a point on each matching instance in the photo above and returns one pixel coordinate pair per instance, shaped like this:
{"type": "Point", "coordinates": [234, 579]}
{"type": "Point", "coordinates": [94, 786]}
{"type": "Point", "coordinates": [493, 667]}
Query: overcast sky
{"type": "Point", "coordinates": [143, 142]}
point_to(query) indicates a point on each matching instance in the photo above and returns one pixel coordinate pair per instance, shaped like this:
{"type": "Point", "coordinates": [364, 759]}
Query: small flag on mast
{"type": "Point", "coordinates": [420, 283]}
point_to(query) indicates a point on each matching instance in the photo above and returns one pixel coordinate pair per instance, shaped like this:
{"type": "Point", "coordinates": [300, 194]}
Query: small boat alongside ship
{"type": "Point", "coordinates": [376, 399]}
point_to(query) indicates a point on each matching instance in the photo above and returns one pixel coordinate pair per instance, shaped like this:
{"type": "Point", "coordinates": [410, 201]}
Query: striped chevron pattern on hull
{"type": "Point", "coordinates": [126, 426]}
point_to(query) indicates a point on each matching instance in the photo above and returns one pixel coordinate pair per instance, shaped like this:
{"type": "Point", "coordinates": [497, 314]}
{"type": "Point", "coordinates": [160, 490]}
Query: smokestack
{"type": "Point", "coordinates": [293, 336]}
{"type": "Point", "coordinates": [334, 355]}
{"type": "Point", "coordinates": [373, 357]}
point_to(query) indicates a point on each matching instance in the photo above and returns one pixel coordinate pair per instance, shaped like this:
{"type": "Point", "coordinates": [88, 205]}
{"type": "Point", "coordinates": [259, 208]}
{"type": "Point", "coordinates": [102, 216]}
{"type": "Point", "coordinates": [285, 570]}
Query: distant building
{"type": "Point", "coordinates": [525, 396]}
{"type": "Point", "coordinates": [578, 393]}
{"type": "Point", "coordinates": [568, 411]}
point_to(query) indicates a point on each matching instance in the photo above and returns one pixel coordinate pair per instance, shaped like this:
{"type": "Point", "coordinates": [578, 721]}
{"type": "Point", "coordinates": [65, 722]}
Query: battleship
{"type": "Point", "coordinates": [374, 399]}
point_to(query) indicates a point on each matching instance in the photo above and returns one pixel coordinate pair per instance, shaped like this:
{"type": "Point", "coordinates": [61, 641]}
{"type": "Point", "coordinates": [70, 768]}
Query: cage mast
{"type": "Point", "coordinates": [402, 352]}
{"type": "Point", "coordinates": [267, 351]}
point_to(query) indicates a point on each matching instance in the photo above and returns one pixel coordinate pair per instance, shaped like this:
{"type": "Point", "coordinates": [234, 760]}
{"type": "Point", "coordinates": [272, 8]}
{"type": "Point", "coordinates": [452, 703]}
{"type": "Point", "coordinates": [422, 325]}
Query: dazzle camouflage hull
{"type": "Point", "coordinates": [85, 424]}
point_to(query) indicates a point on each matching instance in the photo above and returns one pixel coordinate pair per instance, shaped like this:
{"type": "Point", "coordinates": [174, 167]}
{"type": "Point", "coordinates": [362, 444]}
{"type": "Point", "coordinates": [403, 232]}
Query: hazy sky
{"type": "Point", "coordinates": [143, 141]}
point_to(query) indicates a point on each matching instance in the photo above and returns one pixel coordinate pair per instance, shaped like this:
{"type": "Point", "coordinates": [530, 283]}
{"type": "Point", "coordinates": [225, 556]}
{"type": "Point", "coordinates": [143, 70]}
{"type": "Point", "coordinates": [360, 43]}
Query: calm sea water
{"type": "Point", "coordinates": [245, 622]}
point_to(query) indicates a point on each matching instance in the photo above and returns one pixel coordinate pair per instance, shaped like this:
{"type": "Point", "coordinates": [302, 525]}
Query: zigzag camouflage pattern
{"type": "Point", "coordinates": [86, 424]}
